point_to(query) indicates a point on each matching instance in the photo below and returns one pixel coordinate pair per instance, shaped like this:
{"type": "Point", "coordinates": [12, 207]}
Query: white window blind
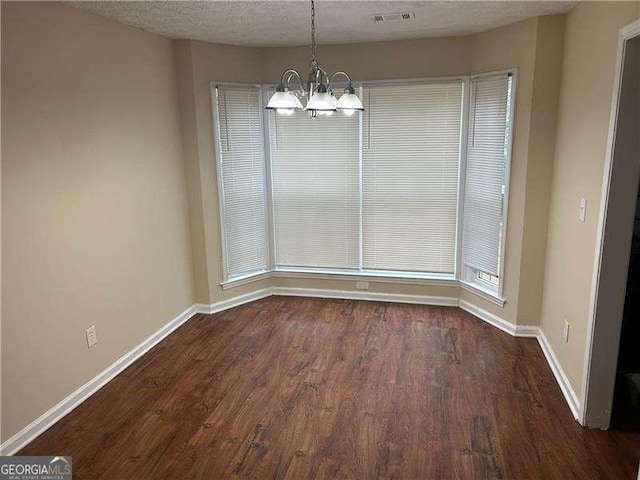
{"type": "Point", "coordinates": [241, 167]}
{"type": "Point", "coordinates": [316, 188]}
{"type": "Point", "coordinates": [411, 150]}
{"type": "Point", "coordinates": [487, 157]}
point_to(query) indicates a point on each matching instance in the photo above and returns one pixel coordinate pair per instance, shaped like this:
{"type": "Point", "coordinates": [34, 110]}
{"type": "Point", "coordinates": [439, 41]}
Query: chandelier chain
{"type": "Point", "coordinates": [314, 61]}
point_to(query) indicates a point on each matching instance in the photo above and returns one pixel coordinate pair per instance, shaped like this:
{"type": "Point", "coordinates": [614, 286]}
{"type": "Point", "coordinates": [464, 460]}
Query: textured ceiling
{"type": "Point", "coordinates": [285, 23]}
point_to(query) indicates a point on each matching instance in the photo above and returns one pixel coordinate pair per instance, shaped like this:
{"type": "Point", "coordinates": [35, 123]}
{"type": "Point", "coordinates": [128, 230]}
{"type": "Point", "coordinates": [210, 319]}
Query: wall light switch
{"type": "Point", "coordinates": [582, 213]}
{"type": "Point", "coordinates": [566, 330]}
{"type": "Point", "coordinates": [362, 285]}
{"type": "Point", "coordinates": [92, 337]}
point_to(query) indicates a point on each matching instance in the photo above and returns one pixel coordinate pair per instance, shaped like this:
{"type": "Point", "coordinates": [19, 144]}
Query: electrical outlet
{"type": "Point", "coordinates": [566, 330]}
{"type": "Point", "coordinates": [362, 285]}
{"type": "Point", "coordinates": [92, 337]}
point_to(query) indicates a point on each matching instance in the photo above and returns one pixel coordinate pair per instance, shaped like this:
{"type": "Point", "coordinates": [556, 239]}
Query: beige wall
{"type": "Point", "coordinates": [94, 213]}
{"type": "Point", "coordinates": [441, 291]}
{"type": "Point", "coordinates": [545, 96]}
{"type": "Point", "coordinates": [534, 46]}
{"type": "Point", "coordinates": [377, 61]}
{"type": "Point", "coordinates": [490, 53]}
{"type": "Point", "coordinates": [590, 46]}
{"type": "Point", "coordinates": [200, 63]}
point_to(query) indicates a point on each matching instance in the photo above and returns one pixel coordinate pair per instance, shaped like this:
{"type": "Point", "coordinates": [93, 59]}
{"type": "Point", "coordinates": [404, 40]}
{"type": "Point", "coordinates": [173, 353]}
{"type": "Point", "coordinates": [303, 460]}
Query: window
{"type": "Point", "coordinates": [488, 155]}
{"type": "Point", "coordinates": [383, 198]}
{"type": "Point", "coordinates": [410, 161]}
{"type": "Point", "coordinates": [316, 189]}
{"type": "Point", "coordinates": [241, 179]}
{"type": "Point", "coordinates": [412, 187]}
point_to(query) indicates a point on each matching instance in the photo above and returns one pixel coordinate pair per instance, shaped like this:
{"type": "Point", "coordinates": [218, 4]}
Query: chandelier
{"type": "Point", "coordinates": [321, 98]}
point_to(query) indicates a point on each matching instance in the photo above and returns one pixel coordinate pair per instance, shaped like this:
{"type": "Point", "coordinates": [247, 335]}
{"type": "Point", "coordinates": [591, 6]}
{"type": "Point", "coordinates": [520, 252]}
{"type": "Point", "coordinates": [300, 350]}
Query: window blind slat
{"type": "Point", "coordinates": [486, 169]}
{"type": "Point", "coordinates": [411, 149]}
{"type": "Point", "coordinates": [241, 154]}
{"type": "Point", "coordinates": [315, 176]}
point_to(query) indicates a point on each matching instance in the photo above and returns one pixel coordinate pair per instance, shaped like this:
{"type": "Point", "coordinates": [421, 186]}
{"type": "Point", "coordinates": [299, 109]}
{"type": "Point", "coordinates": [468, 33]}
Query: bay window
{"type": "Point", "coordinates": [415, 186]}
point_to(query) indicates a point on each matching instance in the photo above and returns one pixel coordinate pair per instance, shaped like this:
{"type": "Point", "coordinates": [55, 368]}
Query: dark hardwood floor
{"type": "Point", "coordinates": [303, 388]}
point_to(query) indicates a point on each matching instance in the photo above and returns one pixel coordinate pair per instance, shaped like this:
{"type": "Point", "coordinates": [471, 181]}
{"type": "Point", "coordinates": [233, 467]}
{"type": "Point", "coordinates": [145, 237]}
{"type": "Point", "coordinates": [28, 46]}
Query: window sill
{"type": "Point", "coordinates": [447, 280]}
{"type": "Point", "coordinates": [246, 279]}
{"type": "Point", "coordinates": [484, 293]}
{"type": "Point", "coordinates": [368, 276]}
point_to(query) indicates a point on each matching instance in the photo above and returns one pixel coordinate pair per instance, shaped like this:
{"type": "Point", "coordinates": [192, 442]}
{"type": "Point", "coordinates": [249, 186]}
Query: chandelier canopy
{"type": "Point", "coordinates": [321, 98]}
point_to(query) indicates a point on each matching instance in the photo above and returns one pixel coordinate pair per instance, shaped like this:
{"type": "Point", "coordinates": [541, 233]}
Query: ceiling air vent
{"type": "Point", "coordinates": [393, 17]}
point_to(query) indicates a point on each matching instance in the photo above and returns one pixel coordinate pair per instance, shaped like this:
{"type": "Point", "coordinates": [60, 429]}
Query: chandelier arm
{"type": "Point", "coordinates": [340, 72]}
{"type": "Point", "coordinates": [288, 74]}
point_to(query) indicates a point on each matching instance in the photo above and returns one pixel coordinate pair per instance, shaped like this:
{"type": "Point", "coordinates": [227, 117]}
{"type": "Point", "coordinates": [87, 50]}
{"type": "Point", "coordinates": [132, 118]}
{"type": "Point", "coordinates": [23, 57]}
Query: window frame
{"type": "Point", "coordinates": [464, 121]}
{"type": "Point", "coordinates": [469, 276]}
{"type": "Point", "coordinates": [217, 147]}
{"type": "Point", "coordinates": [270, 197]}
{"type": "Point", "coordinates": [458, 277]}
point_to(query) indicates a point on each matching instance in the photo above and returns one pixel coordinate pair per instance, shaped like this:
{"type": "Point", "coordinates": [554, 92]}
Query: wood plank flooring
{"type": "Point", "coordinates": [300, 388]}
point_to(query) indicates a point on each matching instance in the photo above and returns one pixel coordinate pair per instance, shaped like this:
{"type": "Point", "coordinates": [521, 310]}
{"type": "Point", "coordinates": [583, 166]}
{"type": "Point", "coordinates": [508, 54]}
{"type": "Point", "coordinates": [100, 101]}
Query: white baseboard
{"type": "Point", "coordinates": [527, 331]}
{"type": "Point", "coordinates": [501, 323]}
{"type": "Point", "coordinates": [568, 392]}
{"type": "Point", "coordinates": [366, 295]}
{"type": "Point", "coordinates": [47, 419]}
{"type": "Point", "coordinates": [534, 332]}
{"type": "Point", "coordinates": [233, 302]}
